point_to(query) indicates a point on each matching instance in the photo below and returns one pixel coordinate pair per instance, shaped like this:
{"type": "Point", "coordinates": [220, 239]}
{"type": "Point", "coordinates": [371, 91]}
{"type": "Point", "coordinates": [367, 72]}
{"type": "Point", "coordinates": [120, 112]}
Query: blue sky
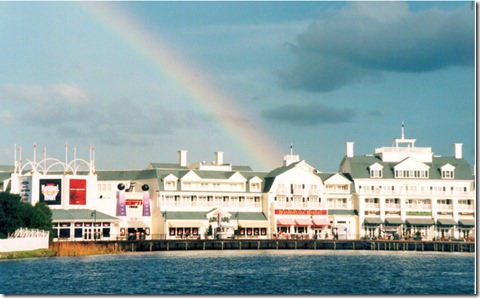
{"type": "Point", "coordinates": [315, 74]}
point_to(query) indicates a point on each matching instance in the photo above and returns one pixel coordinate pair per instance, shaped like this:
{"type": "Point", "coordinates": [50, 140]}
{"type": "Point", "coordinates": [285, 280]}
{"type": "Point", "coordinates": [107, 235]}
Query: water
{"type": "Point", "coordinates": [244, 272]}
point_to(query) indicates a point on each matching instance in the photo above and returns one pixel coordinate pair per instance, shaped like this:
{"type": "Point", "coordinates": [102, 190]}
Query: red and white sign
{"type": "Point", "coordinates": [300, 212]}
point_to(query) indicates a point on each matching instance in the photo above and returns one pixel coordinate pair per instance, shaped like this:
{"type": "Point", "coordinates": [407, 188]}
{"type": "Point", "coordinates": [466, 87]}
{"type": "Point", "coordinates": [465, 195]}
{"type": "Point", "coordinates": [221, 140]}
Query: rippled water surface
{"type": "Point", "coordinates": [244, 272]}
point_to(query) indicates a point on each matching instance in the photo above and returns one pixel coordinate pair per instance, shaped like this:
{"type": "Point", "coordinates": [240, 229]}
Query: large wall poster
{"type": "Point", "coordinates": [51, 191]}
{"type": "Point", "coordinates": [78, 192]}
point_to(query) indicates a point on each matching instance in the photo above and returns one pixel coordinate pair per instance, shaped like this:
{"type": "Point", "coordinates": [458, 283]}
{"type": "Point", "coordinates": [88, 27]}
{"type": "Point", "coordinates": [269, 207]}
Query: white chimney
{"type": "Point", "coordinates": [349, 149]}
{"type": "Point", "coordinates": [182, 158]}
{"type": "Point", "coordinates": [457, 150]}
{"type": "Point", "coordinates": [219, 158]}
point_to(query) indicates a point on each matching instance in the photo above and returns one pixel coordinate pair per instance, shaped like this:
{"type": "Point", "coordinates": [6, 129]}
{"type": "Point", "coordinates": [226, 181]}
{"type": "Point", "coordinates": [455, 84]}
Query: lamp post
{"type": "Point", "coordinates": [94, 213]}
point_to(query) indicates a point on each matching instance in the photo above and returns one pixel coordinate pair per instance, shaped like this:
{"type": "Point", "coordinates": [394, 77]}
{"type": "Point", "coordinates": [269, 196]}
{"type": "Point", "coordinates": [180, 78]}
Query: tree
{"type": "Point", "coordinates": [16, 214]}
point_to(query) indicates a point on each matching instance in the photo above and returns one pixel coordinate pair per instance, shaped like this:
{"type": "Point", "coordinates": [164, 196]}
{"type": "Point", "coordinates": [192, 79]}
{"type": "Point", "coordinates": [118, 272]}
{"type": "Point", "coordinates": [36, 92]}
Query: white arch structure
{"type": "Point", "coordinates": [46, 165]}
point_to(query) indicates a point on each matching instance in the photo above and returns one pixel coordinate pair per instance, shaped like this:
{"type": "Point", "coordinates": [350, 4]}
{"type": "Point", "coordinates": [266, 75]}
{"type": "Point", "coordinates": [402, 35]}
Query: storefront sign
{"type": "Point", "coordinates": [300, 212]}
{"type": "Point", "coordinates": [133, 202]}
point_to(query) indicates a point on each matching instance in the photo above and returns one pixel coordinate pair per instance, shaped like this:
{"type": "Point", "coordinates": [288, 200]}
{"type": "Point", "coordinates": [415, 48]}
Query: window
{"type": "Point", "coordinates": [376, 174]}
{"type": "Point", "coordinates": [411, 174]}
{"type": "Point", "coordinates": [170, 185]}
{"type": "Point", "coordinates": [447, 174]}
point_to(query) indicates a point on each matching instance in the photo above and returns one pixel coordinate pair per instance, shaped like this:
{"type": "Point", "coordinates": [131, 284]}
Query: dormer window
{"type": "Point", "coordinates": [447, 171]}
{"type": "Point", "coordinates": [170, 182]}
{"type": "Point", "coordinates": [376, 170]}
{"type": "Point", "coordinates": [411, 169]}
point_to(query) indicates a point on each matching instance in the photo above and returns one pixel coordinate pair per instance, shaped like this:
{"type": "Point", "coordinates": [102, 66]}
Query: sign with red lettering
{"type": "Point", "coordinates": [78, 192]}
{"type": "Point", "coordinates": [300, 212]}
{"type": "Point", "coordinates": [133, 202]}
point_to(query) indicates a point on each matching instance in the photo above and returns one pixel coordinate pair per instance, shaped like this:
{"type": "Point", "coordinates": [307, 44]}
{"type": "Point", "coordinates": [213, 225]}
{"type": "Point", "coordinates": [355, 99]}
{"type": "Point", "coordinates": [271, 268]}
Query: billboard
{"type": "Point", "coordinates": [78, 192]}
{"type": "Point", "coordinates": [51, 191]}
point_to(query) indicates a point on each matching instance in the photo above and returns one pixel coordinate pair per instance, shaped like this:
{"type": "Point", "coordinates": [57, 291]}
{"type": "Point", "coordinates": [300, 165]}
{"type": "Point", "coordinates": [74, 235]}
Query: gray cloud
{"type": "Point", "coordinates": [366, 39]}
{"type": "Point", "coordinates": [66, 110]}
{"type": "Point", "coordinates": [307, 115]}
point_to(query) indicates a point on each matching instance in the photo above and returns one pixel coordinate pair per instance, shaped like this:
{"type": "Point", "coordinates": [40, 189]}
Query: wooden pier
{"type": "Point", "coordinates": [273, 244]}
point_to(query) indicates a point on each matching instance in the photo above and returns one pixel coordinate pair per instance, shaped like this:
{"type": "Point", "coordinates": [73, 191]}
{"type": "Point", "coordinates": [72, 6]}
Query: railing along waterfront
{"type": "Point", "coordinates": [290, 244]}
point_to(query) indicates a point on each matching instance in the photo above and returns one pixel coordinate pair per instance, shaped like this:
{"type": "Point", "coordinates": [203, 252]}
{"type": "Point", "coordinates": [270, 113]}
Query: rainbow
{"type": "Point", "coordinates": [191, 82]}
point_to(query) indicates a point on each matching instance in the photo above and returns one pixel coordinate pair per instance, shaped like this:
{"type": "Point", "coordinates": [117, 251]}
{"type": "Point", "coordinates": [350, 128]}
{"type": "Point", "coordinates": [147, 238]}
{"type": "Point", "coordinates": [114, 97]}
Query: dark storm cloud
{"type": "Point", "coordinates": [365, 39]}
{"type": "Point", "coordinates": [307, 115]}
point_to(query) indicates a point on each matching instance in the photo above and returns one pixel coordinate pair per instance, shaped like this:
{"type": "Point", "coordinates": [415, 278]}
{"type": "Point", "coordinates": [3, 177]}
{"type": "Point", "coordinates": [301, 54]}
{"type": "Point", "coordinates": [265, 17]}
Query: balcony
{"type": "Point", "coordinates": [392, 206]}
{"type": "Point", "coordinates": [298, 191]}
{"type": "Point", "coordinates": [337, 189]}
{"type": "Point", "coordinates": [444, 207]}
{"type": "Point", "coordinates": [465, 207]}
{"type": "Point", "coordinates": [371, 206]}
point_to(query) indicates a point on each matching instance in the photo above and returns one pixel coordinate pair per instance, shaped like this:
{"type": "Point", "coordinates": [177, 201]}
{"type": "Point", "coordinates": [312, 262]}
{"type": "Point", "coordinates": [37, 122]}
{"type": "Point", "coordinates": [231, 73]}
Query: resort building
{"type": "Point", "coordinates": [399, 192]}
{"type": "Point", "coordinates": [69, 188]}
{"type": "Point", "coordinates": [305, 203]}
{"type": "Point", "coordinates": [214, 200]}
{"type": "Point", "coordinates": [404, 190]}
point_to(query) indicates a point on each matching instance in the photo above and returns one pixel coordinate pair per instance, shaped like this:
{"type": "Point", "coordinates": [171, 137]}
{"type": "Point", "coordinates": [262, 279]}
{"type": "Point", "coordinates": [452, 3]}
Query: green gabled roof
{"type": "Point", "coordinates": [249, 216]}
{"type": "Point", "coordinates": [126, 175]}
{"type": "Point", "coordinates": [270, 176]}
{"type": "Point", "coordinates": [250, 175]}
{"type": "Point", "coordinates": [325, 176]}
{"type": "Point", "coordinates": [185, 215]}
{"type": "Point", "coordinates": [214, 174]}
{"type": "Point", "coordinates": [342, 212]}
{"type": "Point", "coordinates": [359, 167]}
{"type": "Point", "coordinates": [157, 165]}
{"type": "Point", "coordinates": [242, 168]}
{"type": "Point", "coordinates": [462, 168]}
{"type": "Point", "coordinates": [278, 171]}
{"type": "Point", "coordinates": [80, 215]}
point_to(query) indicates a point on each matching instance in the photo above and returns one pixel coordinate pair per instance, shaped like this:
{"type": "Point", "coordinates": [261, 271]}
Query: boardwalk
{"type": "Point", "coordinates": [170, 245]}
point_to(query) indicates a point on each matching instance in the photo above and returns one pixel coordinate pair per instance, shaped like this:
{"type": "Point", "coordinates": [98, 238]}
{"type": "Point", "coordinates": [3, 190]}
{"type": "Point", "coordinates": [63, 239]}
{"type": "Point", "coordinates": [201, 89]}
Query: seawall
{"type": "Point", "coordinates": [373, 245]}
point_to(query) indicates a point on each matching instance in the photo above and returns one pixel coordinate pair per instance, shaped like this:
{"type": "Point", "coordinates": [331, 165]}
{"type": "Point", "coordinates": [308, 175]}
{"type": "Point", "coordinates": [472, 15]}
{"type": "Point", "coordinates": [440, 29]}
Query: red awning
{"type": "Point", "coordinates": [320, 222]}
{"type": "Point", "coordinates": [303, 222]}
{"type": "Point", "coordinates": [284, 222]}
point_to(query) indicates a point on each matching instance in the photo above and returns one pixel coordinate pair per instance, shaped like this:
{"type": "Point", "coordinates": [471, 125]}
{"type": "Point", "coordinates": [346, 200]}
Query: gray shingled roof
{"type": "Point", "coordinates": [79, 215]}
{"type": "Point", "coordinates": [126, 175]}
{"type": "Point", "coordinates": [359, 167]}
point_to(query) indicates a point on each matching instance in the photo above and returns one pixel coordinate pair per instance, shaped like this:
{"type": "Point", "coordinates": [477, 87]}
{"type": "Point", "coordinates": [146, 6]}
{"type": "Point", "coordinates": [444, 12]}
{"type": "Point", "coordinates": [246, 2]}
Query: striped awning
{"type": "Point", "coordinates": [446, 222]}
{"type": "Point", "coordinates": [419, 221]}
{"type": "Point", "coordinates": [373, 220]}
{"type": "Point", "coordinates": [393, 221]}
{"type": "Point", "coordinates": [466, 222]}
{"type": "Point", "coordinates": [320, 222]}
{"type": "Point", "coordinates": [285, 222]}
{"type": "Point", "coordinates": [303, 222]}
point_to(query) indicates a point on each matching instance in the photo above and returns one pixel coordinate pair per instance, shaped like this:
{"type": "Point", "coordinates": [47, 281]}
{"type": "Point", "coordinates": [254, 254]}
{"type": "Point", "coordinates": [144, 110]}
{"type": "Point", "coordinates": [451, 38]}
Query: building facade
{"type": "Point", "coordinates": [399, 192]}
{"type": "Point", "coordinates": [408, 192]}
